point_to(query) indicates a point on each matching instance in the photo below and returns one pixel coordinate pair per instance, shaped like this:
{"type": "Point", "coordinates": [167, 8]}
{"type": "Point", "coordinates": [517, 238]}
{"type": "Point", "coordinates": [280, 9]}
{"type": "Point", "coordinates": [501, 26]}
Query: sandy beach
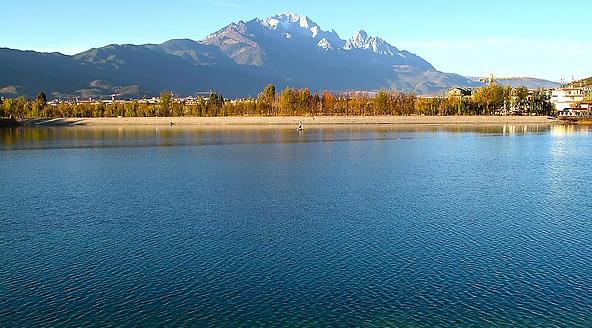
{"type": "Point", "coordinates": [294, 121]}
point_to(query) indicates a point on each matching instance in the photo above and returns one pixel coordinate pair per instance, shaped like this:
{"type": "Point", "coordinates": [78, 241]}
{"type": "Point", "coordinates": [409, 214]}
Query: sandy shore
{"type": "Point", "coordinates": [294, 120]}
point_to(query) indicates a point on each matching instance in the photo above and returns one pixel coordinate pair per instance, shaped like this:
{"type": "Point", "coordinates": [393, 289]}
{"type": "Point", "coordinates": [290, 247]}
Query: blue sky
{"type": "Point", "coordinates": [471, 37]}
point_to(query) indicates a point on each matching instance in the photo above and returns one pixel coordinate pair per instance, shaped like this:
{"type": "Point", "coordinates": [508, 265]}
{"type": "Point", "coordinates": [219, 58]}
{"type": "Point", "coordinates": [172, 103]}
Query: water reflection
{"type": "Point", "coordinates": [427, 226]}
{"type": "Point", "coordinates": [568, 129]}
{"type": "Point", "coordinates": [91, 137]}
{"type": "Point", "coordinates": [564, 151]}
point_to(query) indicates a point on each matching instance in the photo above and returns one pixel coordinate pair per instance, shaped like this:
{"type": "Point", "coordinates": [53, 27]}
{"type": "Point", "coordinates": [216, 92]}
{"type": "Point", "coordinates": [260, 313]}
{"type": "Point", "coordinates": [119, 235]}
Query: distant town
{"type": "Point", "coordinates": [569, 100]}
{"type": "Point", "coordinates": [573, 100]}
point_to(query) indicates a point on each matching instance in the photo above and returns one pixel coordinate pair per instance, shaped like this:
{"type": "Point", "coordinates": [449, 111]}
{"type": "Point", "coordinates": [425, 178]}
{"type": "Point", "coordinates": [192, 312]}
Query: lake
{"type": "Point", "coordinates": [351, 226]}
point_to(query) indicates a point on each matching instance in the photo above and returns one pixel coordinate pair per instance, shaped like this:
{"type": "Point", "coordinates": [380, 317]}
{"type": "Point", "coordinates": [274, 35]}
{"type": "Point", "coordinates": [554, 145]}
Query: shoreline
{"type": "Point", "coordinates": [293, 121]}
{"type": "Point", "coordinates": [9, 123]}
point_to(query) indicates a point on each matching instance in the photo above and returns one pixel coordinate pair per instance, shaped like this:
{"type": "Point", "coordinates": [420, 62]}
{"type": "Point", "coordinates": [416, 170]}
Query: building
{"type": "Point", "coordinates": [566, 98]}
{"type": "Point", "coordinates": [583, 109]}
{"type": "Point", "coordinates": [586, 105]}
{"type": "Point", "coordinates": [459, 92]}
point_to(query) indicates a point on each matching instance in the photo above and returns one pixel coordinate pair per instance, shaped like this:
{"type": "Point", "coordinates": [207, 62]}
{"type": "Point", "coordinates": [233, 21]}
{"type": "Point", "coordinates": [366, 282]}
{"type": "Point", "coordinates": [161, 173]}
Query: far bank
{"type": "Point", "coordinates": [293, 120]}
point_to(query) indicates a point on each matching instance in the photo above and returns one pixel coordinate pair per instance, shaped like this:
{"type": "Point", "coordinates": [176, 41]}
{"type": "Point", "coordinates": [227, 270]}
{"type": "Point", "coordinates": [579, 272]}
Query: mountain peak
{"type": "Point", "coordinates": [288, 20]}
{"type": "Point", "coordinates": [361, 36]}
{"type": "Point", "coordinates": [325, 44]}
{"type": "Point", "coordinates": [293, 17]}
{"type": "Point", "coordinates": [358, 41]}
{"type": "Point", "coordinates": [362, 40]}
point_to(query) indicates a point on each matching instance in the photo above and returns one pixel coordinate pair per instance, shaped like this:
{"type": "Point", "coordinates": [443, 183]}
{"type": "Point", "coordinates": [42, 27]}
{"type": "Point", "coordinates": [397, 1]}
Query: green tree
{"type": "Point", "coordinates": [541, 103]}
{"type": "Point", "coordinates": [203, 106]}
{"type": "Point", "coordinates": [507, 91]}
{"type": "Point", "coordinates": [166, 103]}
{"type": "Point", "coordinates": [489, 98]}
{"type": "Point", "coordinates": [315, 104]}
{"type": "Point", "coordinates": [266, 100]}
{"type": "Point", "coordinates": [10, 106]}
{"type": "Point", "coordinates": [521, 95]}
{"type": "Point", "coordinates": [381, 103]}
{"type": "Point", "coordinates": [288, 102]}
{"type": "Point", "coordinates": [215, 104]}
{"type": "Point", "coordinates": [304, 100]}
{"type": "Point", "coordinates": [20, 110]}
{"type": "Point", "coordinates": [41, 99]}
{"type": "Point", "coordinates": [99, 110]}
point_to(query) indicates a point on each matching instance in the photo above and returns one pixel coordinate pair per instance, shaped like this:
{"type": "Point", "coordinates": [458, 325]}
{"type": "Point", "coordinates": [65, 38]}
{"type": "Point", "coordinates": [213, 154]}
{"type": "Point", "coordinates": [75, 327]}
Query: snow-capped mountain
{"type": "Point", "coordinates": [237, 60]}
{"type": "Point", "coordinates": [299, 52]}
{"type": "Point", "coordinates": [362, 41]}
{"type": "Point", "coordinates": [294, 31]}
{"type": "Point", "coordinates": [294, 25]}
{"type": "Point", "coordinates": [291, 25]}
{"type": "Point", "coordinates": [289, 22]}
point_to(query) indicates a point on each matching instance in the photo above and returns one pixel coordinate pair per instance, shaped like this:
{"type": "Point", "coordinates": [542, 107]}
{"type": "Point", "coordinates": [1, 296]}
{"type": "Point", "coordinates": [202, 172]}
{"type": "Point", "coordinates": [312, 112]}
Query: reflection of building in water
{"type": "Point", "coordinates": [523, 129]}
{"type": "Point", "coordinates": [560, 164]}
{"type": "Point", "coordinates": [568, 129]}
{"type": "Point", "coordinates": [509, 129]}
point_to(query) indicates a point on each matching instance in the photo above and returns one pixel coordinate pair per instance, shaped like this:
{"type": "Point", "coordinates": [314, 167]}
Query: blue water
{"type": "Point", "coordinates": [269, 227]}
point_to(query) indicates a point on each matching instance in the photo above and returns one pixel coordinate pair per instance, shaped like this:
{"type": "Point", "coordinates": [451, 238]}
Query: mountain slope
{"type": "Point", "coordinates": [583, 82]}
{"type": "Point", "coordinates": [238, 60]}
{"type": "Point", "coordinates": [294, 50]}
{"type": "Point", "coordinates": [27, 72]}
{"type": "Point", "coordinates": [529, 82]}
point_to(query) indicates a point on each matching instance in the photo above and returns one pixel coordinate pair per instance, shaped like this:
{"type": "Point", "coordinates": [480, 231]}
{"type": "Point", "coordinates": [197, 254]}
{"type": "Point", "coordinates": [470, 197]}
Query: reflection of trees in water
{"type": "Point", "coordinates": [163, 136]}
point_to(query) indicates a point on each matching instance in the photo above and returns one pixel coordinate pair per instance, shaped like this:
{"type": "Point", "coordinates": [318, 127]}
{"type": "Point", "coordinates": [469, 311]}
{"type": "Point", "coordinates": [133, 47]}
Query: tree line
{"type": "Point", "coordinates": [489, 100]}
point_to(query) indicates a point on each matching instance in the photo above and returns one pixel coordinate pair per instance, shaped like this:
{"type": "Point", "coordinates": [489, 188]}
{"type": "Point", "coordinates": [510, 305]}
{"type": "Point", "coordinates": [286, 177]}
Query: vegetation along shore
{"type": "Point", "coordinates": [486, 101]}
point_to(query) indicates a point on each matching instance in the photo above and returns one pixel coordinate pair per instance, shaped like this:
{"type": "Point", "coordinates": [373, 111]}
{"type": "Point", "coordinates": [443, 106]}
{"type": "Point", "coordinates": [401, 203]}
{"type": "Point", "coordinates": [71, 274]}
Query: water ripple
{"type": "Point", "coordinates": [397, 228]}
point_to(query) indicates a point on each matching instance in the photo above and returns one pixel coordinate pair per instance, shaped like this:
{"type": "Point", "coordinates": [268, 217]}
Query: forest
{"type": "Point", "coordinates": [488, 100]}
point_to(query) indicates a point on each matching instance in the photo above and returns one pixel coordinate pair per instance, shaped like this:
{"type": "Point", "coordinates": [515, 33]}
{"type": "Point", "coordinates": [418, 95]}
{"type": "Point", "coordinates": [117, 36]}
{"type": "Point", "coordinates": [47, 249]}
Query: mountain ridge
{"type": "Point", "coordinates": [238, 60]}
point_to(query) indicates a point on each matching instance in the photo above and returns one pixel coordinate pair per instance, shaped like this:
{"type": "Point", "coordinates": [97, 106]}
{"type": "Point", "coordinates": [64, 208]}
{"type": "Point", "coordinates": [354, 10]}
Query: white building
{"type": "Point", "coordinates": [566, 98]}
{"type": "Point", "coordinates": [583, 109]}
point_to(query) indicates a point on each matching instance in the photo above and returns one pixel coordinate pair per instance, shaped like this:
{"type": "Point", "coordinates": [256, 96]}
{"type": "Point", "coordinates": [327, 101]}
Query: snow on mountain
{"type": "Point", "coordinates": [362, 41]}
{"type": "Point", "coordinates": [292, 25]}
{"type": "Point", "coordinates": [315, 31]}
{"type": "Point", "coordinates": [358, 41]}
{"type": "Point", "coordinates": [285, 20]}
{"type": "Point", "coordinates": [325, 44]}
